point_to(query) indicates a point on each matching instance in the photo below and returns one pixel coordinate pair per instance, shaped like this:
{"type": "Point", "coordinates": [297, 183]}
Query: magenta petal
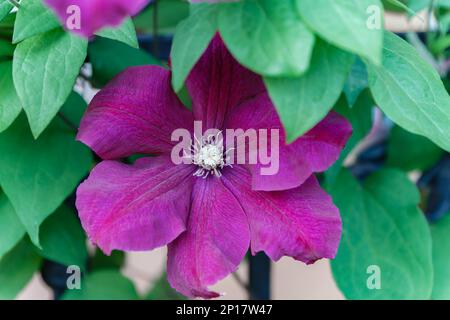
{"type": "Point", "coordinates": [302, 223]}
{"type": "Point", "coordinates": [95, 14]}
{"type": "Point", "coordinates": [218, 83]}
{"type": "Point", "coordinates": [314, 152]}
{"type": "Point", "coordinates": [215, 242]}
{"type": "Point", "coordinates": [135, 113]}
{"type": "Point", "coordinates": [135, 207]}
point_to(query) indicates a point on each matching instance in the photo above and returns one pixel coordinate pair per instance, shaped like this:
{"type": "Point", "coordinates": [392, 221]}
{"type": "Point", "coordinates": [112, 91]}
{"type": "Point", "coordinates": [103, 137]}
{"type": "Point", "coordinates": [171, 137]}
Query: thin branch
{"type": "Point", "coordinates": [241, 282]}
{"type": "Point", "coordinates": [15, 3]}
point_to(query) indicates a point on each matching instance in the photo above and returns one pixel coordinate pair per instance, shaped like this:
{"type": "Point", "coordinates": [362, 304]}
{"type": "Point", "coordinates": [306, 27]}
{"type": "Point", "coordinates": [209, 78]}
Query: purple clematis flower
{"type": "Point", "coordinates": [208, 224]}
{"type": "Point", "coordinates": [94, 14]}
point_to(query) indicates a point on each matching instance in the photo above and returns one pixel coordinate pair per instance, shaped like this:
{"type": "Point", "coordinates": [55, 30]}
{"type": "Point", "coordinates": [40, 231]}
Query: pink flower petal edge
{"type": "Point", "coordinates": [94, 14]}
{"type": "Point", "coordinates": [135, 207]}
{"type": "Point", "coordinates": [135, 113]}
{"type": "Point", "coordinates": [215, 242]}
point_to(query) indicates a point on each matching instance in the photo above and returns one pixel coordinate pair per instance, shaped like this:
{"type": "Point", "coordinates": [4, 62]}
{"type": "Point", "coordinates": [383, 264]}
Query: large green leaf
{"type": "Point", "coordinates": [44, 70]}
{"type": "Point", "coordinates": [5, 8]}
{"type": "Point", "coordinates": [100, 261]}
{"type": "Point", "coordinates": [32, 19]}
{"type": "Point", "coordinates": [408, 151]}
{"type": "Point", "coordinates": [125, 33]}
{"type": "Point", "coordinates": [191, 39]}
{"type": "Point", "coordinates": [360, 116]}
{"type": "Point", "coordinates": [103, 285]}
{"type": "Point", "coordinates": [382, 228]}
{"type": "Point", "coordinates": [345, 23]}
{"type": "Point", "coordinates": [169, 14]}
{"type": "Point", "coordinates": [6, 50]}
{"type": "Point", "coordinates": [17, 269]}
{"type": "Point", "coordinates": [411, 92]}
{"type": "Point", "coordinates": [109, 58]}
{"type": "Point", "coordinates": [11, 229]}
{"type": "Point", "coordinates": [162, 290]}
{"type": "Point", "coordinates": [303, 101]}
{"type": "Point", "coordinates": [10, 105]}
{"type": "Point", "coordinates": [63, 240]}
{"type": "Point", "coordinates": [267, 36]}
{"type": "Point", "coordinates": [440, 233]}
{"type": "Point", "coordinates": [37, 175]}
{"type": "Point", "coordinates": [74, 109]}
{"type": "Point", "coordinates": [357, 81]}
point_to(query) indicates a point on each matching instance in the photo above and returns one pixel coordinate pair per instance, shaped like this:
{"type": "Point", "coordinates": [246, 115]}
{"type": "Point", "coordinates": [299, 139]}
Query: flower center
{"type": "Point", "coordinates": [209, 157]}
{"type": "Point", "coordinates": [208, 154]}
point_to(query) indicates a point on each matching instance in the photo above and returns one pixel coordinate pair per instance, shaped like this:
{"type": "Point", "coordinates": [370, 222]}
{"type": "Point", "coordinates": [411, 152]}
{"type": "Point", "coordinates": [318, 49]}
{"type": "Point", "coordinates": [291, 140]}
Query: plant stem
{"type": "Point", "coordinates": [15, 3]}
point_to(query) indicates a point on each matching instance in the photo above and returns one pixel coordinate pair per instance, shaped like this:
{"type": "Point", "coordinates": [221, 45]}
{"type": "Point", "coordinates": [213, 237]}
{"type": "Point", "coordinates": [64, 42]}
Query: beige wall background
{"type": "Point", "coordinates": [290, 279]}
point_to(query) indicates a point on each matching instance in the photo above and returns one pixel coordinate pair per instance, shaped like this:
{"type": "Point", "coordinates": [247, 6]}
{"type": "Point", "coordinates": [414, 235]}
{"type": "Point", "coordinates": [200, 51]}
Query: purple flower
{"type": "Point", "coordinates": [85, 17]}
{"type": "Point", "coordinates": [208, 224]}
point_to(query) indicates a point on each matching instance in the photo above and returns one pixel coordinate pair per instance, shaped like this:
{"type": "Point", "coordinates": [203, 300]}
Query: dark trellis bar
{"type": "Point", "coordinates": [259, 277]}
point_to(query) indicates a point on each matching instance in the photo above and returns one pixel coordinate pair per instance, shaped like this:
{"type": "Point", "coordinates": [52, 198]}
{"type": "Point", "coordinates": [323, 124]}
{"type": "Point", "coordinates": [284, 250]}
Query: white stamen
{"type": "Point", "coordinates": [208, 154]}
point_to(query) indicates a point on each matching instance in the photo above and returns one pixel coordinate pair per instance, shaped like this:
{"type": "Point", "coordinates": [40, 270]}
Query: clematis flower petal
{"type": "Point", "coordinates": [302, 223]}
{"type": "Point", "coordinates": [215, 242]}
{"type": "Point", "coordinates": [314, 152]}
{"type": "Point", "coordinates": [218, 83]}
{"type": "Point", "coordinates": [94, 14]}
{"type": "Point", "coordinates": [135, 207]}
{"type": "Point", "coordinates": [135, 113]}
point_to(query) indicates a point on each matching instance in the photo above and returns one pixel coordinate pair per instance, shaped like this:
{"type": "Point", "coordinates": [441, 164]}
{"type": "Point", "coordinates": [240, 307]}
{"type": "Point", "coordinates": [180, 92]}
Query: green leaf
{"type": "Point", "coordinates": [357, 81]}
{"type": "Point", "coordinates": [32, 19]}
{"type": "Point", "coordinates": [37, 175]}
{"type": "Point", "coordinates": [125, 33]}
{"type": "Point", "coordinates": [267, 36]}
{"type": "Point", "coordinates": [360, 116]}
{"type": "Point", "coordinates": [103, 285]}
{"type": "Point", "coordinates": [382, 227]}
{"type": "Point", "coordinates": [10, 105]}
{"type": "Point", "coordinates": [74, 108]}
{"type": "Point", "coordinates": [170, 14]}
{"type": "Point", "coordinates": [411, 92]}
{"type": "Point", "coordinates": [409, 152]}
{"type": "Point", "coordinates": [418, 5]}
{"type": "Point", "coordinates": [44, 70]}
{"type": "Point", "coordinates": [400, 5]}
{"type": "Point", "coordinates": [440, 232]}
{"type": "Point", "coordinates": [6, 50]}
{"type": "Point", "coordinates": [163, 291]}
{"type": "Point", "coordinates": [11, 229]}
{"type": "Point", "coordinates": [109, 58]}
{"type": "Point", "coordinates": [303, 101]}
{"type": "Point", "coordinates": [5, 8]}
{"type": "Point", "coordinates": [17, 268]}
{"type": "Point", "coordinates": [63, 240]}
{"type": "Point", "coordinates": [101, 261]}
{"type": "Point", "coordinates": [346, 24]}
{"type": "Point", "coordinates": [191, 39]}
{"type": "Point", "coordinates": [395, 5]}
